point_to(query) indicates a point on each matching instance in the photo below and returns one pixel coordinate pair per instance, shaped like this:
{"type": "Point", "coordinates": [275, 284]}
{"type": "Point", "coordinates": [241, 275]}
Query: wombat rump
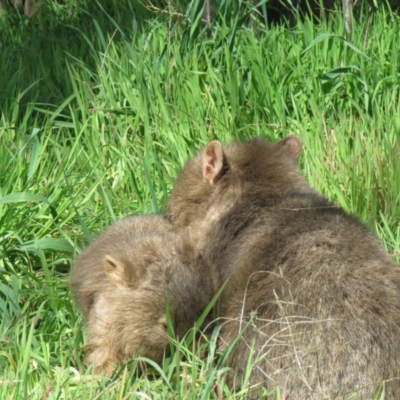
{"type": "Point", "coordinates": [124, 282]}
{"type": "Point", "coordinates": [311, 293]}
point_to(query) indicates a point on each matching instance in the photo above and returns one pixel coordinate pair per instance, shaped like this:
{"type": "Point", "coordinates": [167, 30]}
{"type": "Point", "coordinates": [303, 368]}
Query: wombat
{"type": "Point", "coordinates": [311, 293]}
{"type": "Point", "coordinates": [123, 284]}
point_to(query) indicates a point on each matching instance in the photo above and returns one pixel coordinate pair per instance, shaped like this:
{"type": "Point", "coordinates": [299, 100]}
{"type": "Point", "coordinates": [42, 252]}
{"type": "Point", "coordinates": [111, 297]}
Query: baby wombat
{"type": "Point", "coordinates": [124, 282]}
{"type": "Point", "coordinates": [311, 292]}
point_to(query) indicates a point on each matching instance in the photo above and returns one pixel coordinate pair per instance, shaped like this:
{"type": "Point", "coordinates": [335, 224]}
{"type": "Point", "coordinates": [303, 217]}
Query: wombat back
{"type": "Point", "coordinates": [325, 301]}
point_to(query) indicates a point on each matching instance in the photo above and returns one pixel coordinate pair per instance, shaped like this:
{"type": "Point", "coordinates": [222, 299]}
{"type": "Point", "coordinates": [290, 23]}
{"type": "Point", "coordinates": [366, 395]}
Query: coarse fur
{"type": "Point", "coordinates": [125, 281]}
{"type": "Point", "coordinates": [89, 276]}
{"type": "Point", "coordinates": [310, 291]}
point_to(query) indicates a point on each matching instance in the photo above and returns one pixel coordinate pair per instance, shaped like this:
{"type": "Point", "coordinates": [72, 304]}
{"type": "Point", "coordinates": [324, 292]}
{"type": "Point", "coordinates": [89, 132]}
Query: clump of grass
{"type": "Point", "coordinates": [102, 104]}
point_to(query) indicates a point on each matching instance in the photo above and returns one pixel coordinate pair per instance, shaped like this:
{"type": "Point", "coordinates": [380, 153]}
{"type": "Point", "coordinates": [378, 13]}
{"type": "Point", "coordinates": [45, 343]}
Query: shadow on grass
{"type": "Point", "coordinates": [35, 53]}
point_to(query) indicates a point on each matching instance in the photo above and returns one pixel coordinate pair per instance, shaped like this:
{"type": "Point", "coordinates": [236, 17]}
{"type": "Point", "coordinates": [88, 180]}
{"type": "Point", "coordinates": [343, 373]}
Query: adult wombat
{"type": "Point", "coordinates": [312, 293]}
{"type": "Point", "coordinates": [124, 282]}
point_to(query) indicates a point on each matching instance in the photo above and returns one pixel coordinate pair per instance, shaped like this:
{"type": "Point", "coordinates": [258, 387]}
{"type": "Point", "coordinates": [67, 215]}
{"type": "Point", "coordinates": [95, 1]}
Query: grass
{"type": "Point", "coordinates": [101, 105]}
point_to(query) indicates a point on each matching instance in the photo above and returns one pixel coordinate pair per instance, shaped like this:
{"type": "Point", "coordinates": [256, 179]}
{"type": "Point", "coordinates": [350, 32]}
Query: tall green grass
{"type": "Point", "coordinates": [100, 109]}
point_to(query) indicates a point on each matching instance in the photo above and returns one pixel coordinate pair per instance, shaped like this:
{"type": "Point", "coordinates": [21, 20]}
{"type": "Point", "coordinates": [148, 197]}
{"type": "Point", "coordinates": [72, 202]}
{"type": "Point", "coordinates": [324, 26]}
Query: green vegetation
{"type": "Point", "coordinates": [101, 107]}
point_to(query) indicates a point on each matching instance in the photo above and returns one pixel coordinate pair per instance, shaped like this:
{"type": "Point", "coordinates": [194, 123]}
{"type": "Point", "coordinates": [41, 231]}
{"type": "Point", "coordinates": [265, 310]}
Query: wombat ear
{"type": "Point", "coordinates": [292, 146]}
{"type": "Point", "coordinates": [213, 161]}
{"type": "Point", "coordinates": [115, 271]}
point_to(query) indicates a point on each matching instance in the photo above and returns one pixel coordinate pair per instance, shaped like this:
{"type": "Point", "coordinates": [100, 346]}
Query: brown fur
{"type": "Point", "coordinates": [123, 283]}
{"type": "Point", "coordinates": [314, 296]}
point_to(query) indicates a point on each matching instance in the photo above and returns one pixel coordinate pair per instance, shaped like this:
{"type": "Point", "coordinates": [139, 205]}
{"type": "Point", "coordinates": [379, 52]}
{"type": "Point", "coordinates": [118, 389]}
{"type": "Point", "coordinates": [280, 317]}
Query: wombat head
{"type": "Point", "coordinates": [256, 170]}
{"type": "Point", "coordinates": [172, 279]}
{"type": "Point", "coordinates": [128, 267]}
{"type": "Point", "coordinates": [114, 259]}
{"type": "Point", "coordinates": [123, 324]}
